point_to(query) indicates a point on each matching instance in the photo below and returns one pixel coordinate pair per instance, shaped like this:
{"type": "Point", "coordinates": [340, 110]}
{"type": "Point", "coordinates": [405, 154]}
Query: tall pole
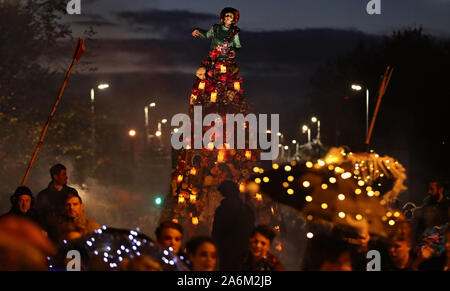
{"type": "Point", "coordinates": [367, 113]}
{"type": "Point", "coordinates": [318, 130]}
{"type": "Point", "coordinates": [79, 50]}
{"type": "Point", "coordinates": [93, 116]}
{"type": "Point", "coordinates": [146, 124]}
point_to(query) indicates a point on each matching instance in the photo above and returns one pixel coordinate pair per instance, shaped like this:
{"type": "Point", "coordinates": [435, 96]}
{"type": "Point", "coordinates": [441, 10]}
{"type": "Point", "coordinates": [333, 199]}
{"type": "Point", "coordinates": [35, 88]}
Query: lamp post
{"type": "Point", "coordinates": [296, 148]}
{"type": "Point", "coordinates": [314, 120]}
{"type": "Point", "coordinates": [132, 134]}
{"type": "Point", "coordinates": [359, 88]}
{"type": "Point", "coordinates": [306, 129]}
{"type": "Point", "coordinates": [100, 87]}
{"type": "Point", "coordinates": [147, 119]}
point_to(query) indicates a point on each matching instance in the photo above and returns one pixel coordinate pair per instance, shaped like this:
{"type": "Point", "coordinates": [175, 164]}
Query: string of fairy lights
{"type": "Point", "coordinates": [367, 170]}
{"type": "Point", "coordinates": [111, 247]}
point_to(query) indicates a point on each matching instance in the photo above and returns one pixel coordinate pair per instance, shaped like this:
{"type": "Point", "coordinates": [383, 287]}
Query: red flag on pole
{"type": "Point", "coordinates": [79, 50]}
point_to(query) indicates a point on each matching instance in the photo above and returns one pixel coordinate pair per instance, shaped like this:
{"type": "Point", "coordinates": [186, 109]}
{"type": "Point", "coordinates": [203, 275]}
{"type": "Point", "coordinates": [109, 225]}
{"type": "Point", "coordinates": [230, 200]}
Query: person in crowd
{"type": "Point", "coordinates": [232, 227]}
{"type": "Point", "coordinates": [329, 250]}
{"type": "Point", "coordinates": [433, 212]}
{"type": "Point", "coordinates": [50, 201]}
{"type": "Point", "coordinates": [75, 223]}
{"type": "Point", "coordinates": [170, 234]}
{"type": "Point", "coordinates": [23, 246]}
{"type": "Point", "coordinates": [400, 248]}
{"type": "Point", "coordinates": [260, 258]}
{"type": "Point", "coordinates": [202, 252]}
{"type": "Point", "coordinates": [22, 203]}
{"type": "Point", "coordinates": [447, 249]}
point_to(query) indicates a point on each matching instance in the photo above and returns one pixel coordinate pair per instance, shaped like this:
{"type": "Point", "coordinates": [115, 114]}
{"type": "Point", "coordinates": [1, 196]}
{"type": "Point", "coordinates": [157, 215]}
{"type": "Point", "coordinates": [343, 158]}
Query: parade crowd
{"type": "Point", "coordinates": [36, 227]}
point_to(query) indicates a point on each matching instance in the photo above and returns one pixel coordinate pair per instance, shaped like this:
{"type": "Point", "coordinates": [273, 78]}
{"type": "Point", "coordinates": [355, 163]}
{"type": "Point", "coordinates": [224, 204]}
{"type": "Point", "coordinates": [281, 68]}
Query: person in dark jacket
{"type": "Point", "coordinates": [75, 223]}
{"type": "Point", "coordinates": [232, 227]}
{"type": "Point", "coordinates": [50, 201]}
{"type": "Point", "coordinates": [22, 203]}
{"type": "Point", "coordinates": [260, 258]}
{"type": "Point", "coordinates": [433, 212]}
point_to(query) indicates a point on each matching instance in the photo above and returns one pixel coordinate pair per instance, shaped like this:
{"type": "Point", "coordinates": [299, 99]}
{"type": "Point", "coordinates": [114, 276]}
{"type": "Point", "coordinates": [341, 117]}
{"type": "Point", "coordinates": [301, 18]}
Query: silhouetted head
{"type": "Point", "coordinates": [228, 188]}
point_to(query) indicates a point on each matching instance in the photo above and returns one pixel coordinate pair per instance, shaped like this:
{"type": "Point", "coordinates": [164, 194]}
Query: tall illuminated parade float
{"type": "Point", "coordinates": [348, 191]}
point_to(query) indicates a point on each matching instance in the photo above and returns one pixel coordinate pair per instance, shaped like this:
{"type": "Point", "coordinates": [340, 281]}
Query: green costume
{"type": "Point", "coordinates": [220, 36]}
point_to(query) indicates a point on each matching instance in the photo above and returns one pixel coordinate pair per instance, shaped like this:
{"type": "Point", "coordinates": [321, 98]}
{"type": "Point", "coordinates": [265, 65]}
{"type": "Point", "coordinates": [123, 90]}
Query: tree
{"type": "Point", "coordinates": [412, 113]}
{"type": "Point", "coordinates": [32, 42]}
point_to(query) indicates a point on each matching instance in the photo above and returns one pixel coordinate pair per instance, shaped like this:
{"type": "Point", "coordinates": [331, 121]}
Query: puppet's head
{"type": "Point", "coordinates": [228, 10]}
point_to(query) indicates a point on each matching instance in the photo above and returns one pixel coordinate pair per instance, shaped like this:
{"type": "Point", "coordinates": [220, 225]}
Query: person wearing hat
{"type": "Point", "coordinates": [22, 202]}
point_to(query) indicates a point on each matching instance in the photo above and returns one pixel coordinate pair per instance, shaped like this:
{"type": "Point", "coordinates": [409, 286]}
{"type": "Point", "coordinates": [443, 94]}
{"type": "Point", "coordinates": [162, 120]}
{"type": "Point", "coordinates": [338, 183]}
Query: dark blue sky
{"type": "Point", "coordinates": [258, 15]}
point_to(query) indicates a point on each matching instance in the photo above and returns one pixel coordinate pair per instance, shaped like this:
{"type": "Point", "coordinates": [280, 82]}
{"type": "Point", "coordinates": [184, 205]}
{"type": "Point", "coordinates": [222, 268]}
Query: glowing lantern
{"type": "Point", "coordinates": [324, 206]}
{"type": "Point", "coordinates": [258, 180]}
{"type": "Point", "coordinates": [193, 98]}
{"type": "Point", "coordinates": [201, 85]}
{"type": "Point", "coordinates": [180, 199]}
{"type": "Point", "coordinates": [192, 198]}
{"type": "Point", "coordinates": [223, 69]}
{"type": "Point", "coordinates": [214, 96]}
{"type": "Point", "coordinates": [266, 179]}
{"type": "Point", "coordinates": [180, 178]}
{"type": "Point", "coordinates": [248, 154]}
{"type": "Point", "coordinates": [193, 171]}
{"type": "Point", "coordinates": [241, 187]}
{"type": "Point", "coordinates": [175, 220]}
{"type": "Point", "coordinates": [194, 220]}
{"type": "Point", "coordinates": [237, 86]}
{"type": "Point", "coordinates": [275, 166]}
{"type": "Point", "coordinates": [220, 156]}
{"type": "Point", "coordinates": [290, 191]}
{"type": "Point", "coordinates": [258, 197]}
{"type": "Point", "coordinates": [341, 214]}
{"type": "Point", "coordinates": [308, 198]}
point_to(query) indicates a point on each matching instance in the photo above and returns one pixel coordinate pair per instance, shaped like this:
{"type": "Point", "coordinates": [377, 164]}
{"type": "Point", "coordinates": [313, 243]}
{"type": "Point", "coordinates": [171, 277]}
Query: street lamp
{"type": "Point", "coordinates": [100, 87]}
{"type": "Point", "coordinates": [132, 132]}
{"type": "Point", "coordinates": [314, 120]}
{"type": "Point", "coordinates": [359, 88]}
{"type": "Point", "coordinates": [147, 122]}
{"type": "Point", "coordinates": [305, 129]}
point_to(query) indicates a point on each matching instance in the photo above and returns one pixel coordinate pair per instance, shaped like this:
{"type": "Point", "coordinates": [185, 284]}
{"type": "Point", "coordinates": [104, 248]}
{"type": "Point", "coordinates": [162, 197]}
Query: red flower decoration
{"type": "Point", "coordinates": [214, 54]}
